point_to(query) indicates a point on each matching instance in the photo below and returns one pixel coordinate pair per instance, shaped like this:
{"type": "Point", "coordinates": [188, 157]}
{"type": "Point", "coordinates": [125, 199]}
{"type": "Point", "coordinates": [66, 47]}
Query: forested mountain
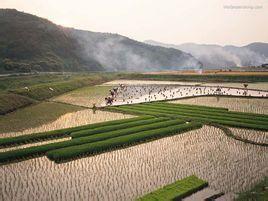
{"type": "Point", "coordinates": [30, 43]}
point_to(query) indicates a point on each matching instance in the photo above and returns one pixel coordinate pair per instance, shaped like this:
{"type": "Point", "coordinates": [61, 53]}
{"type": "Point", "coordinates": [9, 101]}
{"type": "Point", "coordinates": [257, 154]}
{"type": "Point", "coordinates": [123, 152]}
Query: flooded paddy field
{"type": "Point", "coordinates": [140, 93]}
{"type": "Point", "coordinates": [259, 106]}
{"type": "Point", "coordinates": [228, 165]}
{"type": "Point", "coordinates": [255, 85]}
{"type": "Point", "coordinates": [255, 136]}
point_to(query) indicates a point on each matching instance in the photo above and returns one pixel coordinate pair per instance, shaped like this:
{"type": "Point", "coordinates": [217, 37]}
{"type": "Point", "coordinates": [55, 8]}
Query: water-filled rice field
{"type": "Point", "coordinates": [234, 104]}
{"type": "Point", "coordinates": [255, 85]}
{"type": "Point", "coordinates": [228, 165]}
{"type": "Point", "coordinates": [148, 92]}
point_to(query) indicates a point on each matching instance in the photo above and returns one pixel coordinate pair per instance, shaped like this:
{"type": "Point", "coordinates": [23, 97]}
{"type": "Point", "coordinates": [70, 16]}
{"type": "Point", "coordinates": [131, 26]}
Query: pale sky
{"type": "Point", "coordinates": [168, 21]}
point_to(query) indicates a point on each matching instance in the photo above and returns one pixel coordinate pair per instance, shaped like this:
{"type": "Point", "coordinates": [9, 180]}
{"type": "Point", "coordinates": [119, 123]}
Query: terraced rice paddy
{"type": "Point", "coordinates": [86, 96]}
{"type": "Point", "coordinates": [186, 144]}
{"type": "Point", "coordinates": [256, 85]}
{"type": "Point", "coordinates": [73, 119]}
{"type": "Point", "coordinates": [33, 116]}
{"type": "Point", "coordinates": [255, 136]}
{"type": "Point", "coordinates": [94, 138]}
{"type": "Point", "coordinates": [228, 165]}
{"type": "Point", "coordinates": [34, 144]}
{"type": "Point", "coordinates": [199, 114]}
{"type": "Point", "coordinates": [259, 106]}
{"type": "Point", "coordinates": [133, 94]}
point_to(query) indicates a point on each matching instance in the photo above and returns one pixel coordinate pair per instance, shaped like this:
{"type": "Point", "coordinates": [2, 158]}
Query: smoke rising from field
{"type": "Point", "coordinates": [122, 56]}
{"type": "Point", "coordinates": [245, 56]}
{"type": "Point", "coordinates": [217, 56]}
{"type": "Point", "coordinates": [211, 56]}
{"type": "Point", "coordinates": [119, 53]}
{"type": "Point", "coordinates": [220, 56]}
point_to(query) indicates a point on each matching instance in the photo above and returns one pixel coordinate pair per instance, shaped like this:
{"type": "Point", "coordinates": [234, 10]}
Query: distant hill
{"type": "Point", "coordinates": [261, 48]}
{"type": "Point", "coordinates": [118, 53]}
{"type": "Point", "coordinates": [30, 43]}
{"type": "Point", "coordinates": [216, 56]}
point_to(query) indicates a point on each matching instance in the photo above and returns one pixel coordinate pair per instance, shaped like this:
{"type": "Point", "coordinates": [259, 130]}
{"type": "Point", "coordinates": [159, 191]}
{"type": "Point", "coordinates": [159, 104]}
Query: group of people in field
{"type": "Point", "coordinates": [113, 93]}
{"type": "Point", "coordinates": [130, 94]}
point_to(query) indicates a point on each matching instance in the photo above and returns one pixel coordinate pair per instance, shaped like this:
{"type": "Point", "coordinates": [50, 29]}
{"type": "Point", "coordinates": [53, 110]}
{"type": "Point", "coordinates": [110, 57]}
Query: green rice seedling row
{"type": "Point", "coordinates": [245, 117]}
{"type": "Point", "coordinates": [39, 150]}
{"type": "Point", "coordinates": [248, 123]}
{"type": "Point", "coordinates": [87, 132]}
{"type": "Point", "coordinates": [261, 117]}
{"type": "Point", "coordinates": [190, 114]}
{"type": "Point", "coordinates": [192, 107]}
{"type": "Point", "coordinates": [177, 190]}
{"type": "Point", "coordinates": [103, 136]}
{"type": "Point", "coordinates": [139, 112]}
{"type": "Point", "coordinates": [63, 132]}
{"type": "Point", "coordinates": [101, 146]}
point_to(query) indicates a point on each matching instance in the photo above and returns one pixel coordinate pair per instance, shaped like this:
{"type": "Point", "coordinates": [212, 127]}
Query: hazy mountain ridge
{"type": "Point", "coordinates": [30, 43]}
{"type": "Point", "coordinates": [261, 48]}
{"type": "Point", "coordinates": [117, 52]}
{"type": "Point", "coordinates": [216, 56]}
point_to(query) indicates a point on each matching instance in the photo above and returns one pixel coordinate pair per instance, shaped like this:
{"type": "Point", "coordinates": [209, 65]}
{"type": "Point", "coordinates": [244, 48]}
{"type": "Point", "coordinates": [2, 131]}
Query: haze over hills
{"type": "Point", "coordinates": [216, 56]}
{"type": "Point", "coordinates": [118, 53]}
{"type": "Point", "coordinates": [29, 43]}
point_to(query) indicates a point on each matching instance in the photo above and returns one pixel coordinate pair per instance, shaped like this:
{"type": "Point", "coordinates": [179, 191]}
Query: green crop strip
{"type": "Point", "coordinates": [117, 133]}
{"type": "Point", "coordinates": [37, 137]}
{"type": "Point", "coordinates": [192, 107]}
{"type": "Point", "coordinates": [224, 116]}
{"type": "Point", "coordinates": [141, 112]}
{"type": "Point", "coordinates": [122, 141]}
{"type": "Point", "coordinates": [177, 190]}
{"type": "Point", "coordinates": [42, 149]}
{"type": "Point", "coordinates": [87, 132]}
{"type": "Point", "coordinates": [261, 117]}
{"type": "Point", "coordinates": [157, 120]}
{"type": "Point", "coordinates": [230, 121]}
{"type": "Point", "coordinates": [188, 114]}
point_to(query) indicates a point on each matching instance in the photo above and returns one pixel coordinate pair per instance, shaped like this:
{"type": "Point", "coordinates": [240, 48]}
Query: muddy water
{"type": "Point", "coordinates": [234, 104]}
{"type": "Point", "coordinates": [148, 91]}
{"type": "Point", "coordinates": [228, 165]}
{"type": "Point", "coordinates": [257, 85]}
{"type": "Point", "coordinates": [255, 136]}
